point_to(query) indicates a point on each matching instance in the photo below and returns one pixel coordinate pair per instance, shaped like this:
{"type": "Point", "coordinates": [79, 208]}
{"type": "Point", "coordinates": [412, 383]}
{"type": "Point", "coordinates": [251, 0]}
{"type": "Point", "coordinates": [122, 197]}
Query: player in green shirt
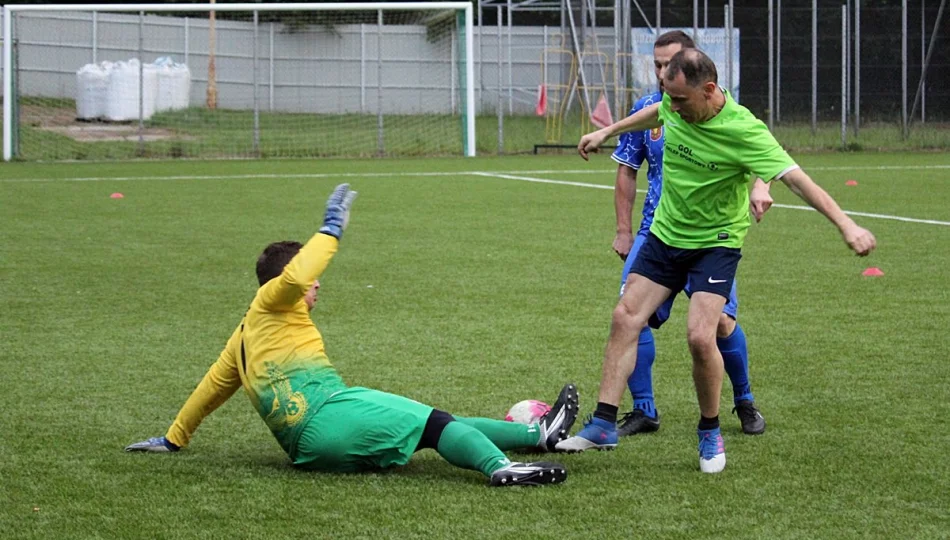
{"type": "Point", "coordinates": [714, 148]}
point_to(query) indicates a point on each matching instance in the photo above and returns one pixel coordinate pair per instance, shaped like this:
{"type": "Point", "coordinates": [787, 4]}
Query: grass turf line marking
{"type": "Point", "coordinates": [392, 174]}
{"type": "Point", "coordinates": [501, 175]}
{"type": "Point", "coordinates": [786, 206]}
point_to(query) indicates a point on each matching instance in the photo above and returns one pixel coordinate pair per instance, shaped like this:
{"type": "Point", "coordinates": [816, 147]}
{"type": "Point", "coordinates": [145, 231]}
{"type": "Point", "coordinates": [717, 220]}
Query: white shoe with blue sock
{"type": "Point", "coordinates": [597, 434]}
{"type": "Point", "coordinates": [712, 450]}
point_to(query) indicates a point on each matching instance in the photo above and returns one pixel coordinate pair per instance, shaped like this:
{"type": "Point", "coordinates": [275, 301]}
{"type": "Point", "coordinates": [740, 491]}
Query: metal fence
{"type": "Point", "coordinates": [801, 62]}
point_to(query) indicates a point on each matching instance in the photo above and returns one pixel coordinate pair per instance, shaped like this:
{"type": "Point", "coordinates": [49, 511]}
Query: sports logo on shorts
{"type": "Point", "coordinates": [656, 133]}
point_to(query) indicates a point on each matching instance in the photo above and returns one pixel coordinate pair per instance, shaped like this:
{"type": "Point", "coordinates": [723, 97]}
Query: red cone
{"type": "Point", "coordinates": [873, 272]}
{"type": "Point", "coordinates": [851, 183]}
{"type": "Point", "coordinates": [117, 196]}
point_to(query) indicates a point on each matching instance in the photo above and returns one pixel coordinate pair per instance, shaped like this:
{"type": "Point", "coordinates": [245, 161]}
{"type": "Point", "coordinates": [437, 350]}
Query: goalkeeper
{"type": "Point", "coordinates": [276, 354]}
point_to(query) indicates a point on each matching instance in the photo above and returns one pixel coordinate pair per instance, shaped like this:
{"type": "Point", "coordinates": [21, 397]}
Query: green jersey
{"type": "Point", "coordinates": [707, 168]}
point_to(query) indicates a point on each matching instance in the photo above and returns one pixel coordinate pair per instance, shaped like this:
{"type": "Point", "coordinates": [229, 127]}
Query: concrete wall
{"type": "Point", "coordinates": [317, 70]}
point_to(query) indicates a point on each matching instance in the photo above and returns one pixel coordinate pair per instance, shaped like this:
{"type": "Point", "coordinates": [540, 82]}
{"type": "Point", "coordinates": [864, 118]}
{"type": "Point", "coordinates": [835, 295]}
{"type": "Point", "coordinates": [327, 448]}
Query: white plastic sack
{"type": "Point", "coordinates": [122, 97]}
{"type": "Point", "coordinates": [92, 82]}
{"type": "Point", "coordinates": [174, 85]}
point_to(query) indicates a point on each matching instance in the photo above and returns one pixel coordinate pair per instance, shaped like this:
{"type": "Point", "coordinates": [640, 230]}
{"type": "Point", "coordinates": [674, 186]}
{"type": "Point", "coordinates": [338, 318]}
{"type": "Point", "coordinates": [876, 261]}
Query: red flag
{"type": "Point", "coordinates": [601, 116]}
{"type": "Point", "coordinates": [542, 105]}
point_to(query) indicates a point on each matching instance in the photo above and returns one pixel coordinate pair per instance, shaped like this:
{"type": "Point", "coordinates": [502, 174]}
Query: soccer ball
{"type": "Point", "coordinates": [528, 411]}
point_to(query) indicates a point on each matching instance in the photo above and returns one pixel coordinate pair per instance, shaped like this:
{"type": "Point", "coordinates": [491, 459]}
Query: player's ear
{"type": "Point", "coordinates": [709, 88]}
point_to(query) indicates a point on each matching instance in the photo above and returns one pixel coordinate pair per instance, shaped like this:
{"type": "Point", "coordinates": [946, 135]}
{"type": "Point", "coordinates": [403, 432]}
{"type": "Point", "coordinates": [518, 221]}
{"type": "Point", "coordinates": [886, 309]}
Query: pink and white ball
{"type": "Point", "coordinates": [528, 411]}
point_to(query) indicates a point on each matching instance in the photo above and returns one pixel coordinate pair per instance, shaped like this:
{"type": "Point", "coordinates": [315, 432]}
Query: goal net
{"type": "Point", "coordinates": [262, 80]}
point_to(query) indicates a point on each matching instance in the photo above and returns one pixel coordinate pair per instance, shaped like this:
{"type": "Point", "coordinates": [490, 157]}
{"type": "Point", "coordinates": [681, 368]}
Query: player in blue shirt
{"type": "Point", "coordinates": [633, 149]}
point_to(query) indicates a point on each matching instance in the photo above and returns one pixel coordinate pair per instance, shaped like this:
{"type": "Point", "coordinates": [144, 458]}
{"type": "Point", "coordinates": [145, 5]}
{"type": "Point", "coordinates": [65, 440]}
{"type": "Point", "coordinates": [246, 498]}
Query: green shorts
{"type": "Point", "coordinates": [359, 429]}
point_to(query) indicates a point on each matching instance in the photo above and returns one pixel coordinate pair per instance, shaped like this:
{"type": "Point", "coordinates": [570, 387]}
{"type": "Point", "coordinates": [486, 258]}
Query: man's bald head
{"type": "Point", "coordinates": [697, 68]}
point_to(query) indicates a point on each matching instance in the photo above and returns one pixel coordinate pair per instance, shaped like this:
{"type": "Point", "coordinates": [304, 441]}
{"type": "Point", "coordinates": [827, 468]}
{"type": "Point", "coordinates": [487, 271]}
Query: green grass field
{"type": "Point", "coordinates": [468, 292]}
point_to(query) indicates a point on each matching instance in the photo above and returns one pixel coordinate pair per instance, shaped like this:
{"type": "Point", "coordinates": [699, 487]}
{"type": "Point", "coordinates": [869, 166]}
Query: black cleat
{"type": "Point", "coordinates": [753, 423]}
{"type": "Point", "coordinates": [556, 424]}
{"type": "Point", "coordinates": [529, 474]}
{"type": "Point", "coordinates": [636, 421]}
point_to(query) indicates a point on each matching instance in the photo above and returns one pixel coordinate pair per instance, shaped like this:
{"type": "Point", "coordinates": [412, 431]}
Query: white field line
{"type": "Point", "coordinates": [509, 175]}
{"type": "Point", "coordinates": [787, 206]}
{"type": "Point", "coordinates": [399, 174]}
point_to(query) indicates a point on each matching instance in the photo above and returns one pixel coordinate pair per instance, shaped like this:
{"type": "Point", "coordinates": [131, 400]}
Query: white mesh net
{"type": "Point", "coordinates": [288, 84]}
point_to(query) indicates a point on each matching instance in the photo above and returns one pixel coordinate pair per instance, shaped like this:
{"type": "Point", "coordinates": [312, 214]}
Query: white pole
{"type": "Point", "coordinates": [498, 105]}
{"type": "Point", "coordinates": [187, 45]}
{"type": "Point", "coordinates": [257, 106]}
{"type": "Point", "coordinates": [270, 69]}
{"type": "Point", "coordinates": [95, 37]}
{"type": "Point", "coordinates": [380, 147]}
{"type": "Point", "coordinates": [814, 67]}
{"type": "Point", "coordinates": [771, 22]}
{"type": "Point", "coordinates": [778, 62]}
{"type": "Point", "coordinates": [362, 68]}
{"type": "Point", "coordinates": [481, 70]}
{"type": "Point", "coordinates": [454, 69]}
{"type": "Point", "coordinates": [659, 8]}
{"type": "Point", "coordinates": [510, 95]}
{"type": "Point", "coordinates": [844, 74]}
{"type": "Point", "coordinates": [857, 66]}
{"type": "Point", "coordinates": [923, 61]}
{"type": "Point", "coordinates": [8, 96]}
{"type": "Point", "coordinates": [904, 119]}
{"type": "Point", "coordinates": [469, 81]}
{"type": "Point", "coordinates": [141, 83]}
{"type": "Point", "coordinates": [728, 25]}
{"type": "Point", "coordinates": [847, 62]}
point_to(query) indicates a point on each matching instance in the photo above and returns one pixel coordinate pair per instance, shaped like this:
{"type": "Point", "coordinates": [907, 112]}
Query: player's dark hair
{"type": "Point", "coordinates": [274, 258]}
{"type": "Point", "coordinates": [696, 67]}
{"type": "Point", "coordinates": [675, 36]}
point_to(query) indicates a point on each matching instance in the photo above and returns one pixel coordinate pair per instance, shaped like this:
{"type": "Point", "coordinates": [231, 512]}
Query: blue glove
{"type": "Point", "coordinates": [338, 211]}
{"type": "Point", "coordinates": [155, 444]}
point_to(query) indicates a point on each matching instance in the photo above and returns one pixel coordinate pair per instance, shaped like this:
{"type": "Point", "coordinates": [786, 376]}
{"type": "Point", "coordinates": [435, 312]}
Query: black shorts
{"type": "Point", "coordinates": [706, 270]}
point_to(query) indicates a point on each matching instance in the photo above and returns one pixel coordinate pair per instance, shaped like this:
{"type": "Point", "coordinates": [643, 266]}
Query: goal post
{"type": "Point", "coordinates": [121, 81]}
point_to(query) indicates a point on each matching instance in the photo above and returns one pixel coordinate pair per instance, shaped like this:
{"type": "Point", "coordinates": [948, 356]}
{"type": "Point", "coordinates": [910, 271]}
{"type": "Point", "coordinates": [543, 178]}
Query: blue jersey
{"type": "Point", "coordinates": [637, 146]}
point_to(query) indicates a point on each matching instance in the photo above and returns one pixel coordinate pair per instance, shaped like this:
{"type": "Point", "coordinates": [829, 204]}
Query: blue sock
{"type": "Point", "coordinates": [735, 357]}
{"type": "Point", "coordinates": [640, 382]}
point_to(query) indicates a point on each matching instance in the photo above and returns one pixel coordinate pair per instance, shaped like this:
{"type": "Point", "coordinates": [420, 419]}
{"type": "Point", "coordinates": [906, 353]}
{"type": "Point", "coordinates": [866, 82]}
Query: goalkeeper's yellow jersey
{"type": "Point", "coordinates": [276, 353]}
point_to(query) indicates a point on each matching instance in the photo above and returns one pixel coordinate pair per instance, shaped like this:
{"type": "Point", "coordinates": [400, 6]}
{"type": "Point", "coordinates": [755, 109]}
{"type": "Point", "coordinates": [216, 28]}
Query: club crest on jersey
{"type": "Point", "coordinates": [656, 133]}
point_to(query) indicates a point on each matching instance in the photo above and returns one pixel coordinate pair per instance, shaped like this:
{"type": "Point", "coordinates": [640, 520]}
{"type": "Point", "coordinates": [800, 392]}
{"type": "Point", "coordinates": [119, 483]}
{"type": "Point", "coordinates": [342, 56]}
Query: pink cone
{"type": "Point", "coordinates": [873, 272]}
{"type": "Point", "coordinates": [117, 196]}
{"type": "Point", "coordinates": [851, 183]}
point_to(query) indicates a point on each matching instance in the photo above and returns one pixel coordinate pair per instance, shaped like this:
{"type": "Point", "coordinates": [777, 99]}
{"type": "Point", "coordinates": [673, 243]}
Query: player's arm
{"type": "Point", "coordinates": [217, 386]}
{"type": "Point", "coordinates": [629, 155]}
{"type": "Point", "coordinates": [646, 118]}
{"type": "Point", "coordinates": [858, 239]}
{"type": "Point", "coordinates": [760, 199]}
{"type": "Point", "coordinates": [625, 194]}
{"type": "Point", "coordinates": [283, 292]}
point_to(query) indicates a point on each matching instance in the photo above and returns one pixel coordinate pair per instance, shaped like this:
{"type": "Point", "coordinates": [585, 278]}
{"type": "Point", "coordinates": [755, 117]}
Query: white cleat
{"type": "Point", "coordinates": [712, 451]}
{"type": "Point", "coordinates": [714, 465]}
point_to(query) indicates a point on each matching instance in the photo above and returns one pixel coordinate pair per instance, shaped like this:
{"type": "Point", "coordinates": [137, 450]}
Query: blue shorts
{"type": "Point", "coordinates": [663, 312]}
